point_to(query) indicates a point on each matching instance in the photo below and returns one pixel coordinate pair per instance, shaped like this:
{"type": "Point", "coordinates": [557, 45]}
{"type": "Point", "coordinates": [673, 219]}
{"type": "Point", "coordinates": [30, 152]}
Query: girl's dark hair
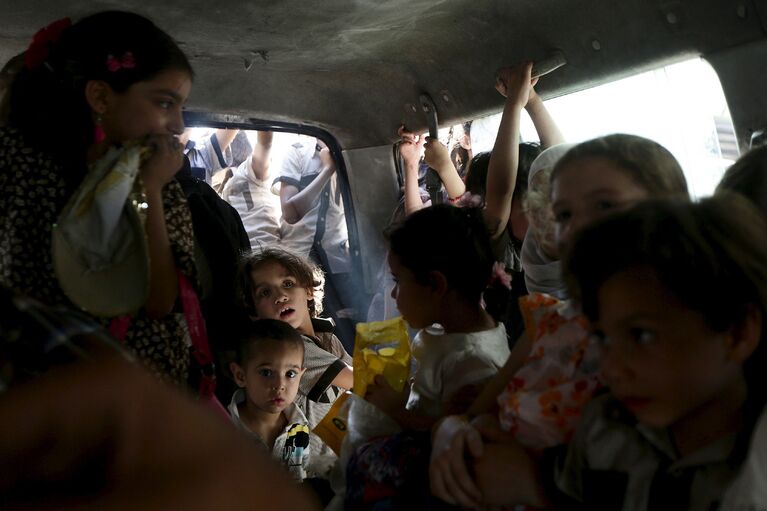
{"type": "Point", "coordinates": [453, 241]}
{"type": "Point", "coordinates": [748, 177]}
{"type": "Point", "coordinates": [251, 334]}
{"type": "Point", "coordinates": [712, 256]}
{"type": "Point", "coordinates": [308, 275]}
{"type": "Point", "coordinates": [476, 179]}
{"type": "Point", "coordinates": [460, 158]}
{"type": "Point", "coordinates": [648, 163]}
{"type": "Point", "coordinates": [48, 104]}
{"type": "Point", "coordinates": [476, 176]}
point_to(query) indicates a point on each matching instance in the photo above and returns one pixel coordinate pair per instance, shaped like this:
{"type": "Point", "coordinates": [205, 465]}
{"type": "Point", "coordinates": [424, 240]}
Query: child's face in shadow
{"type": "Point", "coordinates": [660, 358]}
{"type": "Point", "coordinates": [588, 190]}
{"type": "Point", "coordinates": [278, 295]}
{"type": "Point", "coordinates": [414, 299]}
{"type": "Point", "coordinates": [271, 375]}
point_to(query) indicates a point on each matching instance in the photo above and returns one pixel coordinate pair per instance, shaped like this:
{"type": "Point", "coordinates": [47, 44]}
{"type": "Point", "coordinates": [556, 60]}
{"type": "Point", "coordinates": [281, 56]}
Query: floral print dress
{"type": "Point", "coordinates": [542, 403]}
{"type": "Point", "coordinates": [34, 192]}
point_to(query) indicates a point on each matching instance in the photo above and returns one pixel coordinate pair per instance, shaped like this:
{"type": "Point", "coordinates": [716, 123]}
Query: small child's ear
{"type": "Point", "coordinates": [239, 373]}
{"type": "Point", "coordinates": [438, 282]}
{"type": "Point", "coordinates": [97, 95]}
{"type": "Point", "coordinates": [745, 336]}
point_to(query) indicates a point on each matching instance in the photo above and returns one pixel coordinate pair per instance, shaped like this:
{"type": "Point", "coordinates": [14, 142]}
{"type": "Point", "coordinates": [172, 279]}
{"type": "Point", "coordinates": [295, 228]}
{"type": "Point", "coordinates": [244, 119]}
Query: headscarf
{"type": "Point", "coordinates": [543, 274]}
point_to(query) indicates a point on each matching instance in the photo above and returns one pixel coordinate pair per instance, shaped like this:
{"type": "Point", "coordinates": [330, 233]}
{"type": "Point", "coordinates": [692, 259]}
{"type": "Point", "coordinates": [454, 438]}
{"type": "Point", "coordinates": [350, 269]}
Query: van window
{"type": "Point", "coordinates": [681, 106]}
{"type": "Point", "coordinates": [291, 192]}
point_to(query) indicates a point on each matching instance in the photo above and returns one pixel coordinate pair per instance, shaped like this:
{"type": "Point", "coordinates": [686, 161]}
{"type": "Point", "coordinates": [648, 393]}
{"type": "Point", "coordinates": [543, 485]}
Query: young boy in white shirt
{"type": "Point", "coordinates": [268, 368]}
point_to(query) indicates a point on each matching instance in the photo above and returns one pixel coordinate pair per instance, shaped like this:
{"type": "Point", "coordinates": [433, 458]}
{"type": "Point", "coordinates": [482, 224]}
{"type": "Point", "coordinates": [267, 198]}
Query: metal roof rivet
{"type": "Point", "coordinates": [596, 45]}
{"type": "Point", "coordinates": [742, 12]}
{"type": "Point", "coordinates": [672, 18]}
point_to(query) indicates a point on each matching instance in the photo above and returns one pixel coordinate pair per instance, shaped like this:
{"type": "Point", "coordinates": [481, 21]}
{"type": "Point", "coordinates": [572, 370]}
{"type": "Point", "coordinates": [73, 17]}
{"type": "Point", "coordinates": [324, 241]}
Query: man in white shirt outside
{"type": "Point", "coordinates": [249, 192]}
{"type": "Point", "coordinates": [314, 225]}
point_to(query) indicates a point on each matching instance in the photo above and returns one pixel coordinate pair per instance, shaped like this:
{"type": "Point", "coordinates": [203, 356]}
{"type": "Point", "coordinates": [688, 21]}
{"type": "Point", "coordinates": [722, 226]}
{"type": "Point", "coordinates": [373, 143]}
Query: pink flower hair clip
{"type": "Point", "coordinates": [499, 275]}
{"type": "Point", "coordinates": [126, 62]}
{"type": "Point", "coordinates": [468, 200]}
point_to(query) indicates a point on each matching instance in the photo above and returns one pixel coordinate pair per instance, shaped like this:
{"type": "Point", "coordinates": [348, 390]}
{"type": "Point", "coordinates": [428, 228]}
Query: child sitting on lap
{"type": "Point", "coordinates": [270, 362]}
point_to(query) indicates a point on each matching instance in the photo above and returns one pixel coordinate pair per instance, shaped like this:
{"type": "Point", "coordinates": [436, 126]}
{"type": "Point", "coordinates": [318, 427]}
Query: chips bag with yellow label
{"type": "Point", "coordinates": [332, 428]}
{"type": "Point", "coordinates": [381, 347]}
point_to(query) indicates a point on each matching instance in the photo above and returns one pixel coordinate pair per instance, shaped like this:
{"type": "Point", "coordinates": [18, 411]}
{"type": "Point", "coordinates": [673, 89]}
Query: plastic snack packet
{"type": "Point", "coordinates": [381, 347]}
{"type": "Point", "coordinates": [333, 427]}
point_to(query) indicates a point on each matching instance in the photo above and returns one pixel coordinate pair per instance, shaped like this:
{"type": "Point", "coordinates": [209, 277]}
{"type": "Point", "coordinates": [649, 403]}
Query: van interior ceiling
{"type": "Point", "coordinates": [357, 68]}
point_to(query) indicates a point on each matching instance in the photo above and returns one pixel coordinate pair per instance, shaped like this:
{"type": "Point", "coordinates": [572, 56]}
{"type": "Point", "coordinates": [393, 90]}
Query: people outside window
{"type": "Point", "coordinates": [314, 225]}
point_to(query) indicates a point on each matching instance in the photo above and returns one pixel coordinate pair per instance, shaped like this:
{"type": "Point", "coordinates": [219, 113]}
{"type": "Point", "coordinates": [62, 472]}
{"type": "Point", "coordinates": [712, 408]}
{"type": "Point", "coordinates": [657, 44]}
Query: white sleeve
{"type": "Point", "coordinates": [292, 167]}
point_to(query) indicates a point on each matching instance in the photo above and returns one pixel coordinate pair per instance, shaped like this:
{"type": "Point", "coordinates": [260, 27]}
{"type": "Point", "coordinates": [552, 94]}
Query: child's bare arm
{"type": "Point", "coordinates": [410, 150]}
{"type": "Point", "coordinates": [462, 399]}
{"type": "Point", "coordinates": [259, 160]}
{"type": "Point", "coordinates": [345, 378]}
{"type": "Point", "coordinates": [516, 85]}
{"type": "Point", "coordinates": [296, 203]}
{"type": "Point", "coordinates": [486, 401]}
{"type": "Point", "coordinates": [547, 129]}
{"type": "Point", "coordinates": [438, 158]}
{"type": "Point", "coordinates": [509, 475]}
{"type": "Point", "coordinates": [388, 400]}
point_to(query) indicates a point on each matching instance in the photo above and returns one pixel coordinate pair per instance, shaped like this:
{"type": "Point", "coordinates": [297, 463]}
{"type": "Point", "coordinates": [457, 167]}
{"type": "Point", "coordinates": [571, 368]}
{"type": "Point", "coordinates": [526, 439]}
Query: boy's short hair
{"type": "Point", "coordinates": [711, 255]}
{"type": "Point", "coordinates": [308, 275]}
{"type": "Point", "coordinates": [251, 334]}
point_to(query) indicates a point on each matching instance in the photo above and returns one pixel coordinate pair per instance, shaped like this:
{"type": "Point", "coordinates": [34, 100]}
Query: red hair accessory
{"type": "Point", "coordinates": [40, 47]}
{"type": "Point", "coordinates": [499, 275]}
{"type": "Point", "coordinates": [468, 200]}
{"type": "Point", "coordinates": [127, 61]}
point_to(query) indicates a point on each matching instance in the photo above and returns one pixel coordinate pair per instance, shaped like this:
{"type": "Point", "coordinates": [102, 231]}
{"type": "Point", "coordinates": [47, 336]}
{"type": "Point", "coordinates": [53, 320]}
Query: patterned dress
{"type": "Point", "coordinates": [542, 403]}
{"type": "Point", "coordinates": [34, 192]}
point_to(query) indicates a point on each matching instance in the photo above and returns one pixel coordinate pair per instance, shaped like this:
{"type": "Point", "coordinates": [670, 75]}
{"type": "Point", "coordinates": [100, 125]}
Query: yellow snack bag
{"type": "Point", "coordinates": [332, 428]}
{"type": "Point", "coordinates": [381, 347]}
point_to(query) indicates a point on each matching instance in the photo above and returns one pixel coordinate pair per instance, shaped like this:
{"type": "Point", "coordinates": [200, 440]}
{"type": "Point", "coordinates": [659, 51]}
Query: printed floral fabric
{"type": "Point", "coordinates": [391, 473]}
{"type": "Point", "coordinates": [542, 403]}
{"type": "Point", "coordinates": [34, 192]}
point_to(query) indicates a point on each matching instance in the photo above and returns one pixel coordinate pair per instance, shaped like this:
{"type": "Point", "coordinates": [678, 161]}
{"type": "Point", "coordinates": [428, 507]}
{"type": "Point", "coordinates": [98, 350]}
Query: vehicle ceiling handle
{"type": "Point", "coordinates": [547, 65]}
{"type": "Point", "coordinates": [428, 107]}
{"type": "Point", "coordinates": [433, 181]}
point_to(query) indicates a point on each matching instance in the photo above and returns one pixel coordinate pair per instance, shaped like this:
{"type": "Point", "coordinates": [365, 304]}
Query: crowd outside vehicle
{"type": "Point", "coordinates": [249, 191]}
{"type": "Point", "coordinates": [221, 149]}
